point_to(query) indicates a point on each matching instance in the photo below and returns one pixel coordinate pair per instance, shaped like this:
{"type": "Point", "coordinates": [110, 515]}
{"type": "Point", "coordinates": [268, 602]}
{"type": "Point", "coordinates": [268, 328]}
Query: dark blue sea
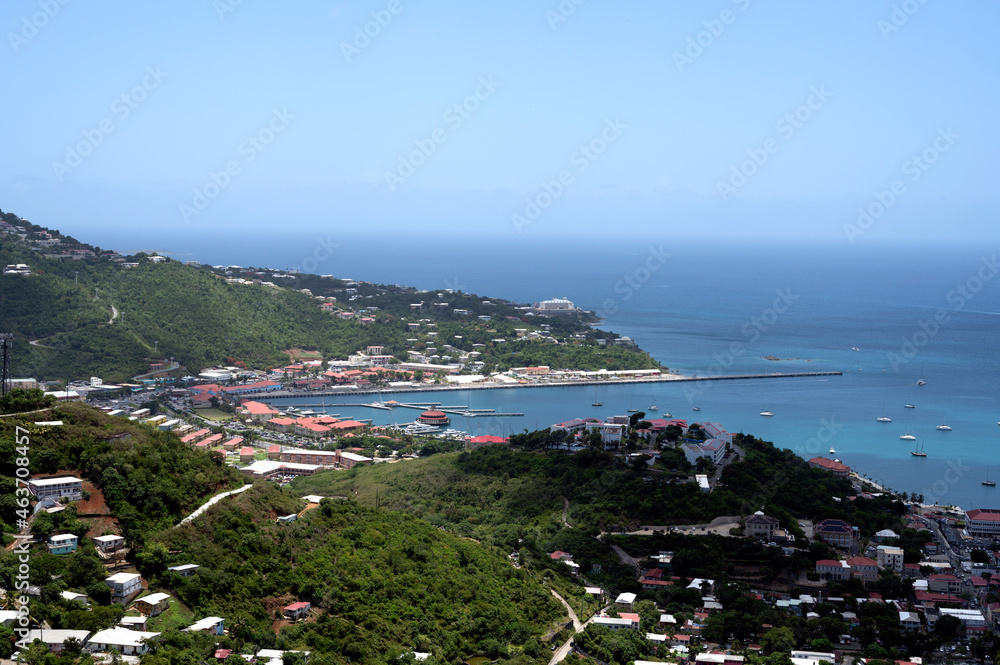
{"type": "Point", "coordinates": [912, 312]}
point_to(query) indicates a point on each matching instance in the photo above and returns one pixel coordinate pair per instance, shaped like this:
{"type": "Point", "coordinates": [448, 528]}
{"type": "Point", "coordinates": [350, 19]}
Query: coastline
{"type": "Point", "coordinates": [672, 378]}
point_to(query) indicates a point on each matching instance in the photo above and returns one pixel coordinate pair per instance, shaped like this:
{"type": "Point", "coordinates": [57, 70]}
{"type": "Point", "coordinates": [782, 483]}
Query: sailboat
{"type": "Point", "coordinates": [632, 409]}
{"type": "Point", "coordinates": [907, 436]}
{"type": "Point", "coordinates": [918, 452]}
{"type": "Point", "coordinates": [942, 426]}
{"type": "Point", "coordinates": [596, 401]}
{"type": "Point", "coordinates": [652, 404]}
{"type": "Point", "coordinates": [698, 408]}
{"type": "Point", "coordinates": [884, 418]}
{"type": "Point", "coordinates": [988, 482]}
{"type": "Point", "coordinates": [765, 412]}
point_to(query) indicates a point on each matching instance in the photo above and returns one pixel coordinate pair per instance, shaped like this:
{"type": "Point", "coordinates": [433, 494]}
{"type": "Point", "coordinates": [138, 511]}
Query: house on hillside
{"type": "Point", "coordinates": [64, 543]}
{"type": "Point", "coordinates": [153, 605]}
{"type": "Point", "coordinates": [124, 586]}
{"type": "Point", "coordinates": [297, 611]}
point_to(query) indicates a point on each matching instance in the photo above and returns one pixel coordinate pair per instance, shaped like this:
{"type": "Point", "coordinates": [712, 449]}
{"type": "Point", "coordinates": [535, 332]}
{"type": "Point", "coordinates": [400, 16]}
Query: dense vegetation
{"type": "Point", "coordinates": [499, 494]}
{"type": "Point", "coordinates": [149, 480]}
{"type": "Point", "coordinates": [193, 315]}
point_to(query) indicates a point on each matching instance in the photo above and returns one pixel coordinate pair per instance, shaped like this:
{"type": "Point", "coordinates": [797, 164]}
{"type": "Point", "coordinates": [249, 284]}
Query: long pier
{"type": "Point", "coordinates": [671, 378]}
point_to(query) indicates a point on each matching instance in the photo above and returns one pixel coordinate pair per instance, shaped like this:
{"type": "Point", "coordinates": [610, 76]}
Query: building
{"type": "Point", "coordinates": [124, 641]}
{"type": "Point", "coordinates": [258, 412]}
{"type": "Point", "coordinates": [833, 466]}
{"type": "Point", "coordinates": [65, 543]}
{"type": "Point", "coordinates": [56, 640]}
{"type": "Point", "coordinates": [889, 557]}
{"type": "Point", "coordinates": [56, 488]}
{"type": "Point", "coordinates": [983, 522]}
{"type": "Point", "coordinates": [297, 611]}
{"type": "Point", "coordinates": [153, 605]}
{"type": "Point", "coordinates": [331, 458]}
{"type": "Point", "coordinates": [863, 568]}
{"type": "Point", "coordinates": [613, 623]}
{"type": "Point", "coordinates": [213, 625]}
{"type": "Point", "coordinates": [835, 532]}
{"type": "Point", "coordinates": [554, 306]}
{"type": "Point", "coordinates": [124, 586]}
{"type": "Point", "coordinates": [625, 601]}
{"type": "Point", "coordinates": [831, 569]}
{"type": "Point", "coordinates": [760, 526]}
{"type": "Point", "coordinates": [109, 544]}
{"type": "Point", "coordinates": [434, 417]}
{"type": "Point", "coordinates": [185, 570]}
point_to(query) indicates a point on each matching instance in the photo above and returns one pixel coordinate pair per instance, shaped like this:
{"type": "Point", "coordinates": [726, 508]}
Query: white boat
{"type": "Point", "coordinates": [910, 406]}
{"type": "Point", "coordinates": [907, 436]}
{"type": "Point", "coordinates": [883, 418]}
{"type": "Point", "coordinates": [765, 412]}
{"type": "Point", "coordinates": [943, 428]}
{"type": "Point", "coordinates": [832, 451]}
{"type": "Point", "coordinates": [854, 348]}
{"type": "Point", "coordinates": [988, 482]}
{"type": "Point", "coordinates": [698, 408]}
{"type": "Point", "coordinates": [921, 382]}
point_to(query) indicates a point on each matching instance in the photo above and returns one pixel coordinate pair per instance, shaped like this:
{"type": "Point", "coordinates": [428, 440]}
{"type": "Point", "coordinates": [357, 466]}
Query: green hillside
{"type": "Point", "coordinates": [93, 316]}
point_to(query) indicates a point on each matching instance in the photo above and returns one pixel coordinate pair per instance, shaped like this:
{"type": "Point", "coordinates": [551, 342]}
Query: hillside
{"type": "Point", "coordinates": [88, 311]}
{"type": "Point", "coordinates": [381, 583]}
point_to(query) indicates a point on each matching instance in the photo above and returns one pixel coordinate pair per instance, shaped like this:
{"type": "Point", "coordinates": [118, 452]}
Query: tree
{"type": "Point", "coordinates": [20, 400]}
{"type": "Point", "coordinates": [948, 627]}
{"type": "Point", "coordinates": [780, 639]}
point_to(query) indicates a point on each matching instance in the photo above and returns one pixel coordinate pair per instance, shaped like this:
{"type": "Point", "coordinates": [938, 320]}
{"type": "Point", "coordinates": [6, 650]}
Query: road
{"type": "Point", "coordinates": [565, 511]}
{"type": "Point", "coordinates": [563, 651]}
{"type": "Point", "coordinates": [114, 315]}
{"type": "Point", "coordinates": [211, 502]}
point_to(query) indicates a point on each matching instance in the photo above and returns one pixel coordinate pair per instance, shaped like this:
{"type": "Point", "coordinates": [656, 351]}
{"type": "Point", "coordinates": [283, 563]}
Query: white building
{"type": "Point", "coordinates": [983, 522]}
{"type": "Point", "coordinates": [56, 488]}
{"type": "Point", "coordinates": [124, 641]}
{"type": "Point", "coordinates": [890, 557]}
{"type": "Point", "coordinates": [124, 586]}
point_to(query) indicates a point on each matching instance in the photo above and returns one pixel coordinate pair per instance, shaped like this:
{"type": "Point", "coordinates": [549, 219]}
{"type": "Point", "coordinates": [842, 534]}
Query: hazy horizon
{"type": "Point", "coordinates": [855, 124]}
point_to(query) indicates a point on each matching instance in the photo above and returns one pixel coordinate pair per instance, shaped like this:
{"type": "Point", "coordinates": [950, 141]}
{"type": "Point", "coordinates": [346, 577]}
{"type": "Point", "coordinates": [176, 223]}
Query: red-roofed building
{"type": "Point", "coordinates": [983, 522]}
{"type": "Point", "coordinates": [484, 440]}
{"type": "Point", "coordinates": [559, 555]}
{"type": "Point", "coordinates": [831, 569]}
{"type": "Point", "coordinates": [257, 411]}
{"type": "Point", "coordinates": [930, 598]}
{"type": "Point", "coordinates": [312, 430]}
{"type": "Point", "coordinates": [944, 583]}
{"type": "Point", "coordinates": [346, 425]}
{"type": "Point", "coordinates": [222, 654]}
{"type": "Point", "coordinates": [195, 437]}
{"type": "Point", "coordinates": [274, 452]}
{"type": "Point", "coordinates": [233, 443]}
{"type": "Point", "coordinates": [246, 454]}
{"type": "Point", "coordinates": [863, 568]}
{"type": "Point", "coordinates": [281, 424]}
{"type": "Point", "coordinates": [833, 466]}
{"type": "Point", "coordinates": [296, 611]}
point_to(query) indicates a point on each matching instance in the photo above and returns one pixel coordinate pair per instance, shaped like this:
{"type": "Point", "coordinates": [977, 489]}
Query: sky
{"type": "Point", "coordinates": [852, 122]}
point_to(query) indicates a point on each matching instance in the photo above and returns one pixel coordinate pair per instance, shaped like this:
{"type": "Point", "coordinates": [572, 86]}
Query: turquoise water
{"type": "Point", "coordinates": [699, 307]}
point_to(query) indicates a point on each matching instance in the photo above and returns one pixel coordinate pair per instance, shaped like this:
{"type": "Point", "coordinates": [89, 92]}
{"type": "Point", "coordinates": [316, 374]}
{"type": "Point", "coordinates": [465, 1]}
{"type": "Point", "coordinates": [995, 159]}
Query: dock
{"type": "Point", "coordinates": [669, 378]}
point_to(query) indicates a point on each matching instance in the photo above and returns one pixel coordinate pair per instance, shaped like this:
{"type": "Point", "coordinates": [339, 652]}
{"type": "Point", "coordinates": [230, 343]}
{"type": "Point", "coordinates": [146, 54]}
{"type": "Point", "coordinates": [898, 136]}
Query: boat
{"type": "Point", "coordinates": [698, 408]}
{"type": "Point", "coordinates": [832, 451]}
{"type": "Point", "coordinates": [883, 418]}
{"type": "Point", "coordinates": [854, 348]}
{"type": "Point", "coordinates": [921, 382]}
{"type": "Point", "coordinates": [907, 436]}
{"type": "Point", "coordinates": [918, 452]}
{"type": "Point", "coordinates": [908, 406]}
{"type": "Point", "coordinates": [765, 412]}
{"type": "Point", "coordinates": [632, 409]}
{"type": "Point", "coordinates": [942, 427]}
{"type": "Point", "coordinates": [596, 401]}
{"type": "Point", "coordinates": [988, 482]}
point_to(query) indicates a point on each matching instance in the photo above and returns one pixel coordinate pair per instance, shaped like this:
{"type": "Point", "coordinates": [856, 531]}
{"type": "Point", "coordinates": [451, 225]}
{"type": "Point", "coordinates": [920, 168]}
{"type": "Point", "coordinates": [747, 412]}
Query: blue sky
{"type": "Point", "coordinates": [520, 119]}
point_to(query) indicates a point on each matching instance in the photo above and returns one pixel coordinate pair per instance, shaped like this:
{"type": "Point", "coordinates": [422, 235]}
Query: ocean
{"type": "Point", "coordinates": [885, 315]}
